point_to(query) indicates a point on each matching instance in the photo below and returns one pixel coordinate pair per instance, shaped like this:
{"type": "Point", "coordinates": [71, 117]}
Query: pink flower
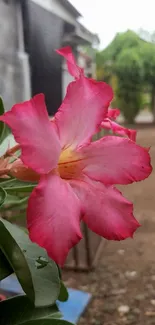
{"type": "Point", "coordinates": [76, 175]}
{"type": "Point", "coordinates": [22, 172]}
{"type": "Point", "coordinates": [109, 124]}
{"type": "Point", "coordinates": [5, 162]}
{"type": "Point", "coordinates": [4, 167]}
{"type": "Point", "coordinates": [112, 114]}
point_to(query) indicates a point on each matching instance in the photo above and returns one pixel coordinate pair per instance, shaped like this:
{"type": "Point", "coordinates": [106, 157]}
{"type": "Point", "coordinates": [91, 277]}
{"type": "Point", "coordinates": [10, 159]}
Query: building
{"type": "Point", "coordinates": [28, 62]}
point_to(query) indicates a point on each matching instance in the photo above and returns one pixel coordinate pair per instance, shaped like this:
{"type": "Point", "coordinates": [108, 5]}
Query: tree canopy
{"type": "Point", "coordinates": [131, 60]}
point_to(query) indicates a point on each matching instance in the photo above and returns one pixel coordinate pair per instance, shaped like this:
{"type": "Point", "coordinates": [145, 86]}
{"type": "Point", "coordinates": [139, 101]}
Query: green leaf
{"type": "Point", "coordinates": [5, 267]}
{"type": "Point", "coordinates": [18, 310]}
{"type": "Point", "coordinates": [63, 295]}
{"type": "Point", "coordinates": [59, 269]}
{"type": "Point", "coordinates": [3, 196]}
{"type": "Point", "coordinates": [16, 258]}
{"type": "Point", "coordinates": [47, 321]}
{"type": "Point", "coordinates": [14, 186]}
{"type": "Point", "coordinates": [37, 274]}
{"type": "Point", "coordinates": [14, 201]}
{"type": "Point", "coordinates": [2, 125]}
{"type": "Point", "coordinates": [1, 107]}
{"type": "Point", "coordinates": [5, 180]}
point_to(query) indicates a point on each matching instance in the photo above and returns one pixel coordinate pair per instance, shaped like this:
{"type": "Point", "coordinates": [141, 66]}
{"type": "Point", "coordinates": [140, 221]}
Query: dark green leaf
{"type": "Point", "coordinates": [5, 180]}
{"type": "Point", "coordinates": [2, 125]}
{"type": "Point", "coordinates": [63, 295]}
{"type": "Point", "coordinates": [18, 310]}
{"type": "Point", "coordinates": [3, 196]}
{"type": "Point", "coordinates": [47, 321]}
{"type": "Point", "coordinates": [16, 258]}
{"type": "Point", "coordinates": [37, 274]}
{"type": "Point", "coordinates": [59, 269]}
{"type": "Point", "coordinates": [1, 107]}
{"type": "Point", "coordinates": [5, 267]}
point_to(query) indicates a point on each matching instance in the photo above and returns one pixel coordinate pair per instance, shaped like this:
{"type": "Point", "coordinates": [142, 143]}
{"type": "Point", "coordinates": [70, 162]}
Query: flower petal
{"type": "Point", "coordinates": [34, 132]}
{"type": "Point", "coordinates": [118, 129]}
{"type": "Point", "coordinates": [82, 111]}
{"type": "Point", "coordinates": [107, 212]}
{"type": "Point", "coordinates": [22, 172]}
{"type": "Point", "coordinates": [115, 160]}
{"type": "Point", "coordinates": [73, 69]}
{"type": "Point", "coordinates": [53, 217]}
{"type": "Point", "coordinates": [113, 113]}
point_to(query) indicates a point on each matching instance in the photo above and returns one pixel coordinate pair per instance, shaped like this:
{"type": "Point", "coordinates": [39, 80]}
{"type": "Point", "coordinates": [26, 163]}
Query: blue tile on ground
{"type": "Point", "coordinates": [73, 308]}
{"type": "Point", "coordinates": [11, 286]}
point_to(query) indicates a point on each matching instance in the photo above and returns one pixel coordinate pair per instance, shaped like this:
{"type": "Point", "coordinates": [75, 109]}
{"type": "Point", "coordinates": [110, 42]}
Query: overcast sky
{"type": "Point", "coordinates": [107, 17]}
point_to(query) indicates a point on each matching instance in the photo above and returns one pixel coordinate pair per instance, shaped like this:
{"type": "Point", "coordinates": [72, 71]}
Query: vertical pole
{"type": "Point", "coordinates": [87, 246]}
{"type": "Point", "coordinates": [76, 257]}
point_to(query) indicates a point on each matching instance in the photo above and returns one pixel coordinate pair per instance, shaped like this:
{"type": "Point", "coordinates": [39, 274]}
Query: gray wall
{"type": "Point", "coordinates": [11, 80]}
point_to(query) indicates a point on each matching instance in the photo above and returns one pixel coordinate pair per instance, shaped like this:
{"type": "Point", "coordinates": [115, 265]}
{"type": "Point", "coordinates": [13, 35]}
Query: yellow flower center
{"type": "Point", "coordinates": [68, 164]}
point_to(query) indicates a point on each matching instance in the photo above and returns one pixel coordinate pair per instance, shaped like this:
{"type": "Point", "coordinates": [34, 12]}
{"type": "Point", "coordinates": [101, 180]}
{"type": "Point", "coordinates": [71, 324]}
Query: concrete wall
{"type": "Point", "coordinates": [11, 66]}
{"type": "Point", "coordinates": [43, 30]}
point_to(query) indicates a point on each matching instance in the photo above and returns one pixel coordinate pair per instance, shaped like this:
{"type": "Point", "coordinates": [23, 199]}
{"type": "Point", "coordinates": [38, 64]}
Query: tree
{"type": "Point", "coordinates": [129, 71]}
{"type": "Point", "coordinates": [148, 57]}
{"type": "Point", "coordinates": [106, 59]}
{"type": "Point", "coordinates": [120, 65]}
{"type": "Point", "coordinates": [121, 41]}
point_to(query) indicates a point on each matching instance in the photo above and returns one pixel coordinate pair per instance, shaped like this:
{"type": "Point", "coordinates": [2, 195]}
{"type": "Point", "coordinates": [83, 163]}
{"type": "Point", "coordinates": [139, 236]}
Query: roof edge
{"type": "Point", "coordinates": [67, 4]}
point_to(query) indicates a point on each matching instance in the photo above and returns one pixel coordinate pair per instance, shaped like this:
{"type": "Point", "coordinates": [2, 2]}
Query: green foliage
{"type": "Point", "coordinates": [63, 295]}
{"type": "Point", "coordinates": [129, 101]}
{"type": "Point", "coordinates": [130, 61]}
{"type": "Point", "coordinates": [37, 274]}
{"type": "Point", "coordinates": [2, 125]}
{"type": "Point", "coordinates": [16, 197]}
{"type": "Point", "coordinates": [47, 321]}
{"type": "Point", "coordinates": [6, 138]}
{"type": "Point", "coordinates": [22, 310]}
{"type": "Point", "coordinates": [121, 41]}
{"type": "Point", "coordinates": [148, 57]}
{"type": "Point", "coordinates": [129, 66]}
{"type": "Point", "coordinates": [5, 267]}
{"type": "Point", "coordinates": [129, 71]}
{"type": "Point", "coordinates": [14, 186]}
{"type": "Point", "coordinates": [3, 195]}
